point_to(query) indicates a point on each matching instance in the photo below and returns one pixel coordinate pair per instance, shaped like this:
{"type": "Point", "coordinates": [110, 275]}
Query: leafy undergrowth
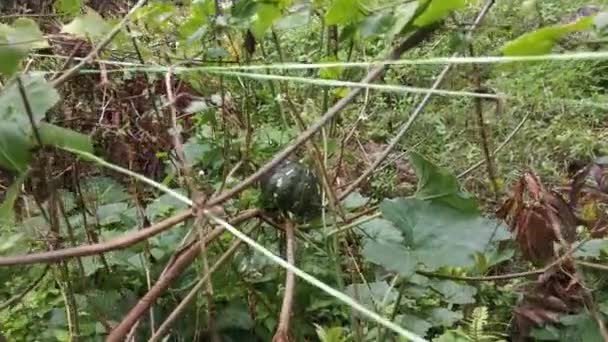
{"type": "Point", "coordinates": [443, 240]}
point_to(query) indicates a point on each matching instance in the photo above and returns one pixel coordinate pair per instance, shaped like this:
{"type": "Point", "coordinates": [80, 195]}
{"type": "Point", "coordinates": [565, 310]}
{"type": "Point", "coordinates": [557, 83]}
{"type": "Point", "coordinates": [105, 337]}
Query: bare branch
{"type": "Point", "coordinates": [181, 263]}
{"type": "Point", "coordinates": [164, 328]}
{"type": "Point", "coordinates": [282, 333]}
{"type": "Point", "coordinates": [105, 42]}
{"type": "Point", "coordinates": [411, 42]}
{"type": "Point", "coordinates": [98, 248]}
{"type": "Point", "coordinates": [405, 128]}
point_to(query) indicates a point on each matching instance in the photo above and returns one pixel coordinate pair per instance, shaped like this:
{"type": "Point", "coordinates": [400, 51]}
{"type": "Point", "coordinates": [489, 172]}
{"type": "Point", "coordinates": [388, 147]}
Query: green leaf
{"type": "Point", "coordinates": [235, 316]}
{"type": "Point", "coordinates": [52, 135]}
{"type": "Point", "coordinates": [15, 147]}
{"type": "Point", "coordinates": [445, 317]}
{"type": "Point", "coordinates": [454, 292]}
{"type": "Point", "coordinates": [103, 190]}
{"type": "Point", "coordinates": [391, 256]}
{"type": "Point", "coordinates": [16, 41]}
{"type": "Point", "coordinates": [40, 95]}
{"type": "Point", "coordinates": [543, 40]}
{"type": "Point", "coordinates": [195, 25]}
{"type": "Point", "coordinates": [375, 25]}
{"type": "Point", "coordinates": [8, 243]}
{"type": "Point", "coordinates": [342, 12]}
{"type": "Point", "coordinates": [90, 25]}
{"type": "Point", "coordinates": [592, 248]}
{"type": "Point", "coordinates": [244, 9]}
{"type": "Point", "coordinates": [164, 204]}
{"type": "Point", "coordinates": [7, 214]}
{"type": "Point", "coordinates": [439, 185]}
{"type": "Point", "coordinates": [442, 235]}
{"type": "Point", "coordinates": [333, 334]}
{"type": "Point", "coordinates": [403, 15]}
{"type": "Point", "coordinates": [372, 294]}
{"type": "Point", "coordinates": [292, 21]}
{"type": "Point", "coordinates": [111, 213]}
{"type": "Point", "coordinates": [69, 8]}
{"type": "Point", "coordinates": [354, 200]}
{"type": "Point", "coordinates": [415, 324]}
{"type": "Point", "coordinates": [453, 336]}
{"type": "Point", "coordinates": [330, 72]}
{"type": "Point", "coordinates": [380, 230]}
{"type": "Point", "coordinates": [437, 10]}
{"type": "Point", "coordinates": [267, 13]}
{"type": "Point", "coordinates": [156, 12]}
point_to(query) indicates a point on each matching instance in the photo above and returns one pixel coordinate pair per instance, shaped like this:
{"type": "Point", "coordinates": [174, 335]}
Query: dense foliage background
{"type": "Point", "coordinates": [450, 178]}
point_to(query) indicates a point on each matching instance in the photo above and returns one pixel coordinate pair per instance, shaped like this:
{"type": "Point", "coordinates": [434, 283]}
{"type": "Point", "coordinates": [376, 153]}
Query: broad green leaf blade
{"type": "Point", "coordinates": [7, 215]}
{"type": "Point", "coordinates": [195, 25]}
{"type": "Point", "coordinates": [292, 21]}
{"type": "Point", "coordinates": [375, 25]}
{"type": "Point", "coordinates": [40, 95]}
{"type": "Point", "coordinates": [70, 8]}
{"type": "Point", "coordinates": [15, 147]}
{"type": "Point", "coordinates": [391, 256]}
{"type": "Point", "coordinates": [542, 41]}
{"type": "Point", "coordinates": [90, 25]}
{"type": "Point", "coordinates": [267, 13]}
{"type": "Point", "coordinates": [342, 12]}
{"type": "Point", "coordinates": [445, 317]}
{"type": "Point", "coordinates": [415, 324]}
{"type": "Point", "coordinates": [380, 230]}
{"type": "Point", "coordinates": [354, 200]}
{"type": "Point", "coordinates": [400, 218]}
{"type": "Point", "coordinates": [372, 294]}
{"type": "Point", "coordinates": [437, 10]}
{"type": "Point", "coordinates": [16, 41]}
{"type": "Point", "coordinates": [64, 138]}
{"type": "Point", "coordinates": [442, 235]}
{"type": "Point", "coordinates": [592, 248]}
{"type": "Point", "coordinates": [403, 15]}
{"type": "Point", "coordinates": [454, 292]}
{"type": "Point", "coordinates": [438, 185]}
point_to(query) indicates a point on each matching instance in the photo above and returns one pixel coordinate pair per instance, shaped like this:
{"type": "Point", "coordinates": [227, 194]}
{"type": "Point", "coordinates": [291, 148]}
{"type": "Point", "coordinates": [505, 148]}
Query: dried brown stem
{"type": "Point", "coordinates": [98, 248]}
{"type": "Point", "coordinates": [182, 261]}
{"type": "Point", "coordinates": [164, 328]}
{"type": "Point", "coordinates": [105, 42]}
{"type": "Point", "coordinates": [411, 42]}
{"type": "Point", "coordinates": [282, 333]}
{"type": "Point", "coordinates": [483, 131]}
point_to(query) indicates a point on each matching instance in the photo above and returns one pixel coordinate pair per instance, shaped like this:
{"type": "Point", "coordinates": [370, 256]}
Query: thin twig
{"type": "Point", "coordinates": [405, 128]}
{"type": "Point", "coordinates": [415, 39]}
{"type": "Point", "coordinates": [107, 40]}
{"type": "Point", "coordinates": [179, 309]}
{"type": "Point", "coordinates": [184, 260]}
{"type": "Point", "coordinates": [11, 302]}
{"type": "Point", "coordinates": [499, 148]}
{"type": "Point", "coordinates": [98, 248]}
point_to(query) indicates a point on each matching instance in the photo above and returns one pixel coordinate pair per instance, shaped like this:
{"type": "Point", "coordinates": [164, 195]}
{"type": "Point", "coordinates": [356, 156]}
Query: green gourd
{"type": "Point", "coordinates": [292, 187]}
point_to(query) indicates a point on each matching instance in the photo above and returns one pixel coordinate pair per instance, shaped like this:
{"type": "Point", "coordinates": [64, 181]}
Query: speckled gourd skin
{"type": "Point", "coordinates": [292, 187]}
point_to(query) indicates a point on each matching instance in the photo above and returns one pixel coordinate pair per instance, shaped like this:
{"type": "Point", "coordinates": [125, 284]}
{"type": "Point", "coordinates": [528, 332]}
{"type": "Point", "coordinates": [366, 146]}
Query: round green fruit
{"type": "Point", "coordinates": [291, 187]}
